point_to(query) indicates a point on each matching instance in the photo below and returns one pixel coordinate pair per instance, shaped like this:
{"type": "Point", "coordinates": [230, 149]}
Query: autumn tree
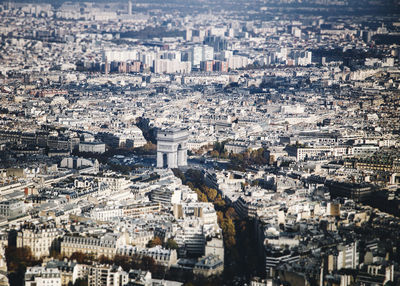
{"type": "Point", "coordinates": [211, 193]}
{"type": "Point", "coordinates": [154, 242]}
{"type": "Point", "coordinates": [214, 154]}
{"type": "Point", "coordinates": [149, 147]}
{"type": "Point", "coordinates": [228, 231]}
{"type": "Point", "coordinates": [220, 217]}
{"type": "Point", "coordinates": [190, 185]}
{"type": "Point", "coordinates": [201, 196]}
{"type": "Point", "coordinates": [231, 213]}
{"type": "Point", "coordinates": [219, 203]}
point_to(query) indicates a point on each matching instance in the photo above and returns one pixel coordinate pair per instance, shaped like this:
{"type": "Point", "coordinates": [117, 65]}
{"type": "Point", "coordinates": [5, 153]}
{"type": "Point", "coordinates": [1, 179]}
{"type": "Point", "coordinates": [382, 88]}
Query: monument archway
{"type": "Point", "coordinates": [171, 148]}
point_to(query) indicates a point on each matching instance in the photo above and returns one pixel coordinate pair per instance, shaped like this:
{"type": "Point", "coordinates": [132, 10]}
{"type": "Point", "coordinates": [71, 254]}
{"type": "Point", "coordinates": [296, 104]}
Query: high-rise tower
{"type": "Point", "coordinates": [130, 7]}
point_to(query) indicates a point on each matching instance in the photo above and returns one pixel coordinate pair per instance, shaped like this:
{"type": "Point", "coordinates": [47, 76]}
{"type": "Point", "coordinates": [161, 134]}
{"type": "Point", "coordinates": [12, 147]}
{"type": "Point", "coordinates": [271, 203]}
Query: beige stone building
{"type": "Point", "coordinates": [40, 239]}
{"type": "Point", "coordinates": [106, 245]}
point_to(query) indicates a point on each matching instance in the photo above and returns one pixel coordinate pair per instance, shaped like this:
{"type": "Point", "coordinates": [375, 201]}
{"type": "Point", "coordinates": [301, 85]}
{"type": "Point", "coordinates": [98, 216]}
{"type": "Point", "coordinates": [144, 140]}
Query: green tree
{"type": "Point", "coordinates": [171, 244]}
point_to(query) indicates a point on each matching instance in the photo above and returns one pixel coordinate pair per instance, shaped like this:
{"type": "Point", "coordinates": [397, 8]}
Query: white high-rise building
{"type": "Point", "coordinates": [188, 35]}
{"type": "Point", "coordinates": [348, 256]}
{"type": "Point", "coordinates": [130, 7]}
{"type": "Point", "coordinates": [147, 58]}
{"type": "Point", "coordinates": [208, 53]}
{"type": "Point", "coordinates": [171, 66]}
{"type": "Point", "coordinates": [120, 55]}
{"type": "Point", "coordinates": [196, 55]}
{"type": "Point", "coordinates": [201, 53]}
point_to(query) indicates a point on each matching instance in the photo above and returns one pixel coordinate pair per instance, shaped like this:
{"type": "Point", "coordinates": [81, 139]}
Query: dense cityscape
{"type": "Point", "coordinates": [179, 142]}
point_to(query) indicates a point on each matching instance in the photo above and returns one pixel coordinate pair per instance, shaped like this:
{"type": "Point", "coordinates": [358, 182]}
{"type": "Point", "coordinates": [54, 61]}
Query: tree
{"type": "Point", "coordinates": [228, 231]}
{"type": "Point", "coordinates": [230, 241]}
{"type": "Point", "coordinates": [123, 261]}
{"type": "Point", "coordinates": [104, 259]}
{"type": "Point", "coordinates": [219, 203]}
{"type": "Point", "coordinates": [220, 217]}
{"type": "Point", "coordinates": [211, 194]}
{"type": "Point", "coordinates": [149, 147]}
{"type": "Point", "coordinates": [190, 185]}
{"type": "Point", "coordinates": [242, 226]}
{"type": "Point", "coordinates": [81, 282]}
{"type": "Point", "coordinates": [18, 258]}
{"type": "Point", "coordinates": [55, 254]}
{"type": "Point", "coordinates": [202, 197]}
{"type": "Point", "coordinates": [195, 176]}
{"type": "Point", "coordinates": [171, 244]}
{"type": "Point", "coordinates": [80, 257]}
{"type": "Point", "coordinates": [148, 263]}
{"type": "Point", "coordinates": [231, 214]}
{"type": "Point", "coordinates": [155, 241]}
{"type": "Point", "coordinates": [179, 174]}
{"type": "Point", "coordinates": [214, 154]}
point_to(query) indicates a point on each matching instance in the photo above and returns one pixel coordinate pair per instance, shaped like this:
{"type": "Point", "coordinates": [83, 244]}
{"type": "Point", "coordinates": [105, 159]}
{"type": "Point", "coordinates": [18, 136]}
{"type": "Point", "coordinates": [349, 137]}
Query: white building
{"type": "Point", "coordinates": [165, 196]}
{"type": "Point", "coordinates": [40, 239]}
{"type": "Point", "coordinates": [41, 276]}
{"type": "Point", "coordinates": [106, 275]}
{"type": "Point", "coordinates": [171, 66]}
{"type": "Point", "coordinates": [348, 256]}
{"type": "Point", "coordinates": [196, 55]}
{"type": "Point", "coordinates": [106, 213]}
{"type": "Point", "coordinates": [208, 53]}
{"type": "Point", "coordinates": [162, 256]}
{"type": "Point", "coordinates": [92, 147]}
{"type": "Point", "coordinates": [12, 208]}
